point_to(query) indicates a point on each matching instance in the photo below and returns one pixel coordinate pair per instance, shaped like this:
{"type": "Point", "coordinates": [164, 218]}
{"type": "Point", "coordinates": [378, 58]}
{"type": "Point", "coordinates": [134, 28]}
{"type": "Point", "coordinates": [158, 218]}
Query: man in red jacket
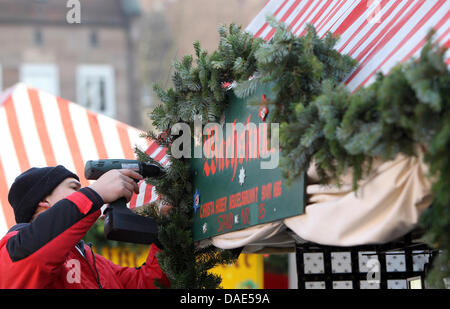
{"type": "Point", "coordinates": [53, 213]}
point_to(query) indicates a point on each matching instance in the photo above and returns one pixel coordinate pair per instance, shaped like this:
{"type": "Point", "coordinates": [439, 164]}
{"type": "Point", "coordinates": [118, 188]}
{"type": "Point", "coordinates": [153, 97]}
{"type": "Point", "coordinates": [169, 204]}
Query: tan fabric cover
{"type": "Point", "coordinates": [251, 235]}
{"type": "Point", "coordinates": [386, 206]}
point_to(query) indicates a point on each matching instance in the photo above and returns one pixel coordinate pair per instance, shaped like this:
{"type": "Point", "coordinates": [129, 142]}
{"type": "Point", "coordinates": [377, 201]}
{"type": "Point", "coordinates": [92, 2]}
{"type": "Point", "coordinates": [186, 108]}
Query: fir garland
{"type": "Point", "coordinates": [321, 122]}
{"type": "Point", "coordinates": [198, 90]}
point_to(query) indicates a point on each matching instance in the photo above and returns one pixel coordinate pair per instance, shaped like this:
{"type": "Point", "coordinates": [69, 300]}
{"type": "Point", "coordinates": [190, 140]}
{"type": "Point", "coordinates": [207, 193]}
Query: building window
{"type": "Point", "coordinates": [37, 37]}
{"type": "Point", "coordinates": [95, 89]}
{"type": "Point", "coordinates": [93, 38]}
{"type": "Point", "coordinates": [42, 76]}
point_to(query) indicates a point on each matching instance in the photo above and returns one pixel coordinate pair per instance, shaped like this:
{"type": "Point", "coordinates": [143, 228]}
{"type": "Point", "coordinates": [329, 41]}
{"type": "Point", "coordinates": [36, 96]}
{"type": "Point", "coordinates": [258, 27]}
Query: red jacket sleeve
{"type": "Point", "coordinates": [142, 277]}
{"type": "Point", "coordinates": [52, 235]}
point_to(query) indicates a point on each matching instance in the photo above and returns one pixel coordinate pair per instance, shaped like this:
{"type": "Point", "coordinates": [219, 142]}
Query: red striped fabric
{"type": "Point", "coordinates": [378, 33]}
{"type": "Point", "coordinates": [39, 129]}
{"type": "Point", "coordinates": [146, 192]}
{"type": "Point", "coordinates": [280, 7]}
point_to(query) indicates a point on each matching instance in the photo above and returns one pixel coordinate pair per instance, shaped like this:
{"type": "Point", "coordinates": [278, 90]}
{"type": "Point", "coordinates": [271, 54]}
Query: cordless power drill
{"type": "Point", "coordinates": [121, 223]}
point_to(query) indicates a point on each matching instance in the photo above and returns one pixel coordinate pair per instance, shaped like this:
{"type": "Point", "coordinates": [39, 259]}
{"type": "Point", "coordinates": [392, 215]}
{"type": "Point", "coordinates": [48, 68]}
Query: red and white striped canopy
{"type": "Point", "coordinates": [147, 192]}
{"type": "Point", "coordinates": [39, 129]}
{"type": "Point", "coordinates": [377, 33]}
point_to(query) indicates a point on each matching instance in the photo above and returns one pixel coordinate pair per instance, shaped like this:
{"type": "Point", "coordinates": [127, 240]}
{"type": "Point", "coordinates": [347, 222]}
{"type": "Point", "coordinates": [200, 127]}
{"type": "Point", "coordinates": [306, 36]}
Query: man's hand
{"type": "Point", "coordinates": [115, 184]}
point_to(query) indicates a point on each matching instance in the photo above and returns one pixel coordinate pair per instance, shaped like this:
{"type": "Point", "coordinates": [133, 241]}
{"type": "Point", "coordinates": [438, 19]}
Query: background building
{"type": "Point", "coordinates": [90, 63]}
{"type": "Point", "coordinates": [110, 60]}
{"type": "Point", "coordinates": [169, 27]}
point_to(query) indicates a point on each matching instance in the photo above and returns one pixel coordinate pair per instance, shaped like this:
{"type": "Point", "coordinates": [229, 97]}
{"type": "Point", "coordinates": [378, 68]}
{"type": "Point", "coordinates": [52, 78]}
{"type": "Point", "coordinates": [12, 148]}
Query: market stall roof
{"type": "Point", "coordinates": [377, 33]}
{"type": "Point", "coordinates": [39, 129]}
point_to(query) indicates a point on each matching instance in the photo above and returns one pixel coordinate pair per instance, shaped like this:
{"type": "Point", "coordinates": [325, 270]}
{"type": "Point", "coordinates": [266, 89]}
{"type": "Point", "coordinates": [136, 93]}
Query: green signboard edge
{"type": "Point", "coordinates": [254, 211]}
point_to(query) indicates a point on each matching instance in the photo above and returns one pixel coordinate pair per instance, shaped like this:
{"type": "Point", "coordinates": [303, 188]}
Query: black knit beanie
{"type": "Point", "coordinates": [32, 186]}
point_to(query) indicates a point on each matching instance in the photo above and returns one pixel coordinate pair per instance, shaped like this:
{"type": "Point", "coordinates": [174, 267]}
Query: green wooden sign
{"type": "Point", "coordinates": [235, 184]}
